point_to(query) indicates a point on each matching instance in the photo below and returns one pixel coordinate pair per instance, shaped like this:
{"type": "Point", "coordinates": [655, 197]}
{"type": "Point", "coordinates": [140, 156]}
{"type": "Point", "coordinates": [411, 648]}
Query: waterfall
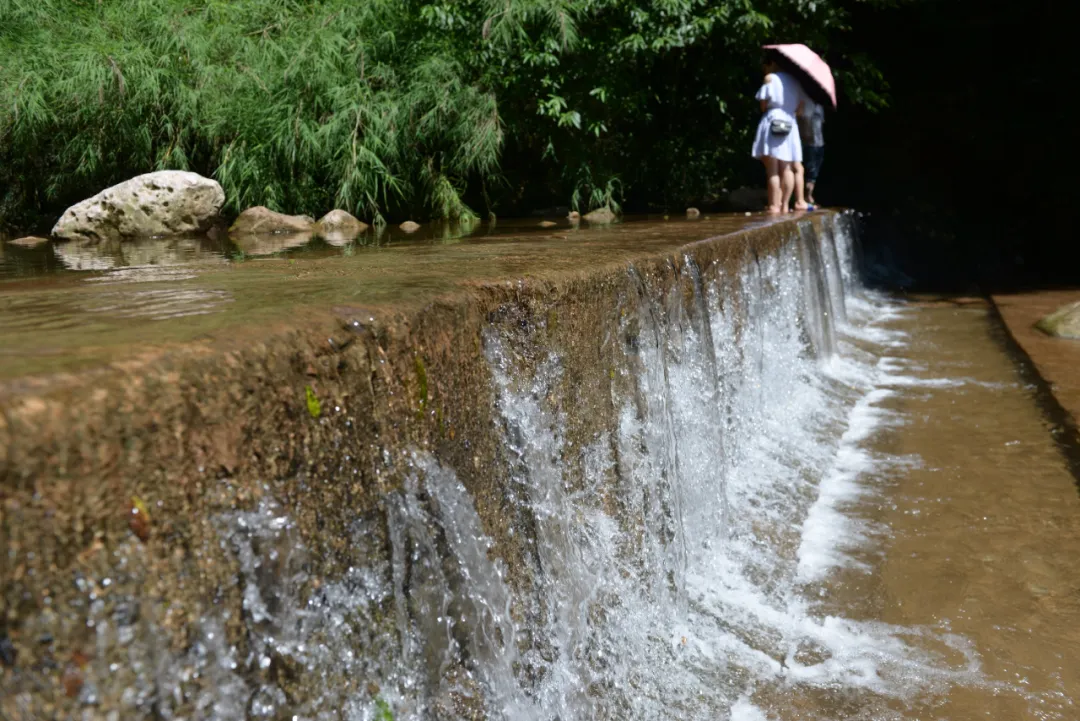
{"type": "Point", "coordinates": [672, 476]}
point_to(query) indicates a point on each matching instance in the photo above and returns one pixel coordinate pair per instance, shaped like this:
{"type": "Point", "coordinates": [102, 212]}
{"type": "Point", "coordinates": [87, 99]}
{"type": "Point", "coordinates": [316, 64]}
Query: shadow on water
{"type": "Point", "coordinates": [56, 257]}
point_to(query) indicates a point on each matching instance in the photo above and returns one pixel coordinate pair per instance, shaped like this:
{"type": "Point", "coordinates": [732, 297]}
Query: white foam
{"type": "Point", "coordinates": [743, 710]}
{"type": "Point", "coordinates": [826, 528]}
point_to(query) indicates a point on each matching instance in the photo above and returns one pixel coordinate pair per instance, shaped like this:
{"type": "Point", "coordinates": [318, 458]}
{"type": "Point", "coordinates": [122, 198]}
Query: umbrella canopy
{"type": "Point", "coordinates": [814, 73]}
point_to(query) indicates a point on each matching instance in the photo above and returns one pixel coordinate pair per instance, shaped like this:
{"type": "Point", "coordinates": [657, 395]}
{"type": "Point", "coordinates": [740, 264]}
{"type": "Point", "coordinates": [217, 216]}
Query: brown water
{"type": "Point", "coordinates": [68, 306]}
{"type": "Point", "coordinates": [973, 531]}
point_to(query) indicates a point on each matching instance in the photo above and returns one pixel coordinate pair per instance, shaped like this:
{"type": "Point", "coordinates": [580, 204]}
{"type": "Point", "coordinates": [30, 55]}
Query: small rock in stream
{"type": "Point", "coordinates": [339, 227]}
{"type": "Point", "coordinates": [139, 519]}
{"type": "Point", "coordinates": [601, 216]}
{"type": "Point", "coordinates": [1063, 322]}
{"type": "Point", "coordinates": [29, 241]}
{"type": "Point", "coordinates": [260, 219]}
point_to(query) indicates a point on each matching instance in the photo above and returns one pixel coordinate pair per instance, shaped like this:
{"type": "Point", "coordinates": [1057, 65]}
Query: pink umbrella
{"type": "Point", "coordinates": [815, 73]}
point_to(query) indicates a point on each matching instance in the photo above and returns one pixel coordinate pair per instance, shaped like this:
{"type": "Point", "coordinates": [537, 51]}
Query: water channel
{"type": "Point", "coordinates": [807, 500]}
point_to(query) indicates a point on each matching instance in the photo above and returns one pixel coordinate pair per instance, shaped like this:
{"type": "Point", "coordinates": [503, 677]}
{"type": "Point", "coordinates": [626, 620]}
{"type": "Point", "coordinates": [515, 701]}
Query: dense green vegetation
{"type": "Point", "coordinates": [391, 109]}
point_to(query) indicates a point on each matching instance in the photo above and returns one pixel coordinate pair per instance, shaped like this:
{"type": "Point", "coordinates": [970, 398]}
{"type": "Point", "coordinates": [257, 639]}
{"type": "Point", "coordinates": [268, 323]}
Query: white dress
{"type": "Point", "coordinates": [783, 94]}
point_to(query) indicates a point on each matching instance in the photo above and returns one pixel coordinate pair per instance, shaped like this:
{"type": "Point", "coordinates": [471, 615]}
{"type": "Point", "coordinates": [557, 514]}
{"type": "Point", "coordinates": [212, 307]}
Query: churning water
{"type": "Point", "coordinates": [681, 561]}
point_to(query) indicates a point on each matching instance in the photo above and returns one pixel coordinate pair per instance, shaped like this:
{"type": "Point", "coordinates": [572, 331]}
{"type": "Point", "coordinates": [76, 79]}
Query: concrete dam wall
{"type": "Point", "coordinates": [515, 487]}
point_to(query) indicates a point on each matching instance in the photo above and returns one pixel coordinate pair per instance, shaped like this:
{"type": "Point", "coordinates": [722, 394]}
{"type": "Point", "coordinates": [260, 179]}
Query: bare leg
{"type": "Point", "coordinates": [772, 183]}
{"type": "Point", "coordinates": [810, 193]}
{"type": "Point", "coordinates": [800, 199]}
{"type": "Point", "coordinates": [787, 181]}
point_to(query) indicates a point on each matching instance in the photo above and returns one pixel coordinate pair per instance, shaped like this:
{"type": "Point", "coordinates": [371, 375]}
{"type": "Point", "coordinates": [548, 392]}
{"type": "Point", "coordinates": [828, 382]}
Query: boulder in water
{"type": "Point", "coordinates": [601, 216]}
{"type": "Point", "coordinates": [339, 226]}
{"type": "Point", "coordinates": [1063, 322]}
{"type": "Point", "coordinates": [548, 223]}
{"type": "Point", "coordinates": [409, 226]}
{"type": "Point", "coordinates": [261, 220]}
{"type": "Point", "coordinates": [573, 216]}
{"type": "Point", "coordinates": [166, 202]}
{"type": "Point", "coordinates": [29, 241]}
{"type": "Point", "coordinates": [693, 213]}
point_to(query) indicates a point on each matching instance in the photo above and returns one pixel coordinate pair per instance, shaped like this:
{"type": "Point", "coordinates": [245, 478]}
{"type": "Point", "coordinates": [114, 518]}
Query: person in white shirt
{"type": "Point", "coordinates": [777, 143]}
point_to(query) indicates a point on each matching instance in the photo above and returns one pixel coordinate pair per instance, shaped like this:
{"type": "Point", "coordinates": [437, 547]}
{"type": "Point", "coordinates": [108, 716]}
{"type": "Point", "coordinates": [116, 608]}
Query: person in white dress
{"type": "Point", "coordinates": [777, 143]}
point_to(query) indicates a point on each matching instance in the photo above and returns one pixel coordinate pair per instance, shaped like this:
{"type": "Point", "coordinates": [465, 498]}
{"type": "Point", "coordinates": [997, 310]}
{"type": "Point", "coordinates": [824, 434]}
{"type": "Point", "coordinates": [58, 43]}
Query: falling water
{"type": "Point", "coordinates": [675, 559]}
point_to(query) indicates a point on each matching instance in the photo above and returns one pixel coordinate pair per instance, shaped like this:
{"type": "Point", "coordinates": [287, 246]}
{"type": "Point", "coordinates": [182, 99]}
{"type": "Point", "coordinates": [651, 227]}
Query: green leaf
{"type": "Point", "coordinates": [383, 711]}
{"type": "Point", "coordinates": [313, 405]}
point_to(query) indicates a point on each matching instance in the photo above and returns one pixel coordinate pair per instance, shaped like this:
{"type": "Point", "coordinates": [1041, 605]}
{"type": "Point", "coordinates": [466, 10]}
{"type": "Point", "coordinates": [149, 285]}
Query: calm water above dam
{"type": "Point", "coordinates": [753, 489]}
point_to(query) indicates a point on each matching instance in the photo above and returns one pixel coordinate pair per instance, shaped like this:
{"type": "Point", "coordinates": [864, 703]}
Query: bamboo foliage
{"type": "Point", "coordinates": [296, 105]}
{"type": "Point", "coordinates": [393, 107]}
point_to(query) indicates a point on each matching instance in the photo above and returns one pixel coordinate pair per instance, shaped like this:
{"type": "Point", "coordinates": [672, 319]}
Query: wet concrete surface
{"type": "Point", "coordinates": [1057, 359]}
{"type": "Point", "coordinates": [67, 307]}
{"type": "Point", "coordinates": [983, 529]}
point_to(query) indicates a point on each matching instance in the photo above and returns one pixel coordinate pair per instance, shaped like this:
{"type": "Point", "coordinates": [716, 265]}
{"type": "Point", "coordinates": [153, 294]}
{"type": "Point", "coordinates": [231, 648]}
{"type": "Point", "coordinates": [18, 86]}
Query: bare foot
{"type": "Point", "coordinates": [773, 210]}
{"type": "Point", "coordinates": [811, 201]}
{"type": "Point", "coordinates": [801, 207]}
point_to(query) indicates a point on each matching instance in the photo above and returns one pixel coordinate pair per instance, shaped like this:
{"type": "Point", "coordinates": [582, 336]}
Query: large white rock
{"type": "Point", "coordinates": [167, 202]}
